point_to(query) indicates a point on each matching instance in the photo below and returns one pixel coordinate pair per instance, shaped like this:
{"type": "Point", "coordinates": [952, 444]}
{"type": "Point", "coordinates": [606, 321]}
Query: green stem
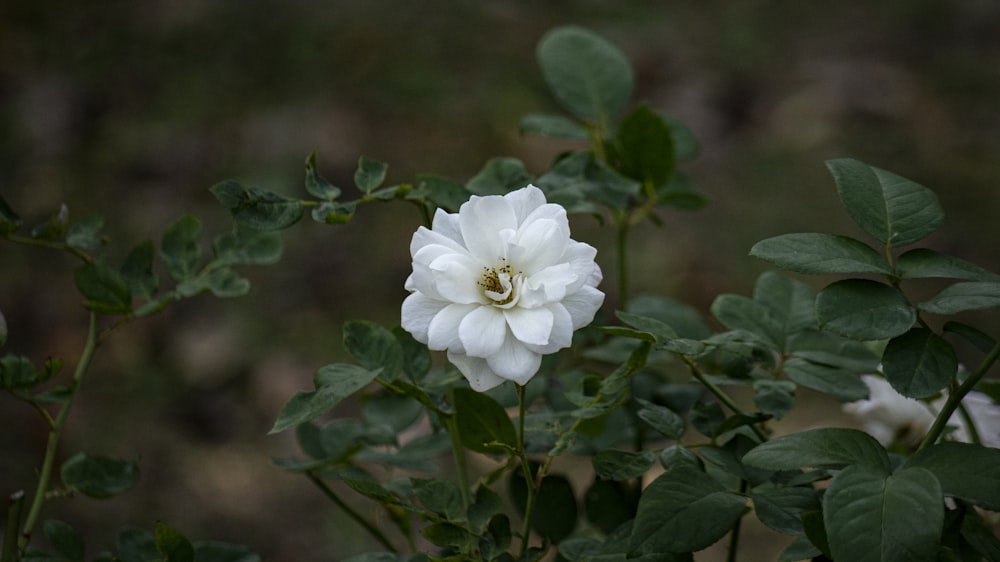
{"type": "Point", "coordinates": [52, 244]}
{"type": "Point", "coordinates": [722, 396]}
{"type": "Point", "coordinates": [970, 424]}
{"type": "Point", "coordinates": [372, 530]}
{"type": "Point", "coordinates": [955, 398]}
{"type": "Point", "coordinates": [56, 432]}
{"type": "Point", "coordinates": [734, 535]}
{"type": "Point", "coordinates": [13, 521]}
{"type": "Point", "coordinates": [451, 422]}
{"type": "Point", "coordinates": [530, 482]}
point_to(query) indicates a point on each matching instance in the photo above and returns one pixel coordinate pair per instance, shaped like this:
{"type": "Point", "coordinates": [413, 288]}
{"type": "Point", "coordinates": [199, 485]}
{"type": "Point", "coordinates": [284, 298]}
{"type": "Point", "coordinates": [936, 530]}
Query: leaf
{"type": "Point", "coordinates": [737, 312]}
{"type": "Point", "coordinates": [681, 193]}
{"type": "Point", "coordinates": [840, 383]}
{"type": "Point", "coordinates": [256, 209]}
{"type": "Point", "coordinates": [369, 175]}
{"type": "Point", "coordinates": [816, 253]}
{"type": "Point", "coordinates": [136, 545]}
{"type": "Point", "coordinates": [86, 234]}
{"type": "Point", "coordinates": [646, 147]}
{"type": "Point", "coordinates": [18, 372]}
{"type": "Point", "coordinates": [447, 534]}
{"type": "Point", "coordinates": [416, 356]}
{"type": "Point", "coordinates": [483, 424]}
{"type": "Point", "coordinates": [662, 419]}
{"type": "Point", "coordinates": [877, 517]}
{"type": "Point", "coordinates": [922, 263]}
{"type": "Point", "coordinates": [781, 508]}
{"type": "Point", "coordinates": [440, 496]}
{"type": "Point", "coordinates": [487, 504]}
{"type": "Point", "coordinates": [891, 208]}
{"type": "Point", "coordinates": [98, 476]}
{"type": "Point", "coordinates": [374, 347]}
{"type": "Point", "coordinates": [54, 228]}
{"type": "Point", "coordinates": [823, 447]}
{"type": "Point", "coordinates": [683, 510]}
{"type": "Point", "coordinates": [217, 551]}
{"type": "Point", "coordinates": [774, 397]}
{"type": "Point", "coordinates": [609, 504]}
{"type": "Point", "coordinates": [180, 249]}
{"type": "Point", "coordinates": [588, 76]}
{"type": "Point", "coordinates": [622, 465]}
{"type": "Point", "coordinates": [65, 539]}
{"type": "Point", "coordinates": [333, 383]}
{"type": "Point", "coordinates": [174, 546]}
{"type": "Point", "coordinates": [660, 331]}
{"type": "Point", "coordinates": [685, 320]}
{"type": "Point", "coordinates": [499, 176]}
{"type": "Point", "coordinates": [971, 295]}
{"type": "Point", "coordinates": [864, 310]}
{"type": "Point", "coordinates": [580, 173]}
{"type": "Point", "coordinates": [555, 505]}
{"type": "Point", "coordinates": [316, 185]}
{"type": "Point", "coordinates": [556, 126]}
{"type": "Point", "coordinates": [103, 288]}
{"type": "Point", "coordinates": [248, 247]}
{"type": "Point", "coordinates": [827, 348]}
{"type": "Point", "coordinates": [919, 363]}
{"type": "Point", "coordinates": [792, 304]}
{"type": "Point", "coordinates": [965, 471]}
{"type": "Point", "coordinates": [137, 271]}
{"type": "Point", "coordinates": [9, 221]}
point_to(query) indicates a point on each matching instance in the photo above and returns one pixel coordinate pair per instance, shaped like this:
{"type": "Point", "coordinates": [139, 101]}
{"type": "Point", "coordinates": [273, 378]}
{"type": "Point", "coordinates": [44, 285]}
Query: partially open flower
{"type": "Point", "coordinates": [499, 284]}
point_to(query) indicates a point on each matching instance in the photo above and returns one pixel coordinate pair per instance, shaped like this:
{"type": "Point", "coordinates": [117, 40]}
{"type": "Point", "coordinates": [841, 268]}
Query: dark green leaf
{"type": "Point", "coordinates": [256, 209]}
{"type": "Point", "coordinates": [98, 476]}
{"type": "Point", "coordinates": [737, 312]}
{"type": "Point", "coordinates": [333, 382]}
{"type": "Point", "coordinates": [975, 336]}
{"type": "Point", "coordinates": [819, 448]}
{"type": "Point", "coordinates": [494, 544]}
{"type": "Point", "coordinates": [316, 185]}
{"type": "Point", "coordinates": [609, 504]}
{"type": "Point", "coordinates": [968, 472]}
{"type": "Point", "coordinates": [103, 288]}
{"type": "Point", "coordinates": [137, 545]}
{"type": "Point", "coordinates": [394, 410]}
{"type": "Point", "coordinates": [830, 349]}
{"type": "Point", "coordinates": [369, 175]}
{"type": "Point", "coordinates": [922, 263]}
{"type": "Point", "coordinates": [374, 347]}
{"type": "Point", "coordinates": [971, 295]}
{"type": "Point", "coordinates": [647, 148]}
{"type": "Point", "coordinates": [248, 247]}
{"type": "Point", "coordinates": [443, 192]}
{"type": "Point", "coordinates": [919, 363]}
{"type": "Point", "coordinates": [683, 510]}
{"type": "Point", "coordinates": [215, 551]}
{"type": "Point", "coordinates": [800, 549]}
{"type": "Point", "coordinates": [589, 76]}
{"type": "Point", "coordinates": [373, 490]}
{"type": "Point", "coordinates": [9, 221]}
{"type": "Point", "coordinates": [781, 508]}
{"type": "Point", "coordinates": [661, 332]}
{"type": "Point", "coordinates": [487, 504]}
{"type": "Point", "coordinates": [180, 247]}
{"type": "Point", "coordinates": [85, 234]}
{"type": "Point", "coordinates": [137, 271]}
{"type": "Point", "coordinates": [18, 372]}
{"type": "Point", "coordinates": [685, 144]}
{"type": "Point", "coordinates": [447, 534]}
{"type": "Point", "coordinates": [684, 319]}
{"type": "Point", "coordinates": [662, 419]}
{"type": "Point", "coordinates": [416, 356]}
{"type": "Point", "coordinates": [333, 213]}
{"type": "Point", "coordinates": [226, 283]}
{"type": "Point", "coordinates": [555, 505]}
{"type": "Point", "coordinates": [483, 424]}
{"type": "Point", "coordinates": [864, 310]}
{"type": "Point", "coordinates": [840, 383]}
{"type": "Point", "coordinates": [792, 304]}
{"type": "Point", "coordinates": [174, 546]}
{"type": "Point", "coordinates": [817, 253]}
{"type": "Point", "coordinates": [580, 173]}
{"type": "Point", "coordinates": [440, 496]}
{"type": "Point", "coordinates": [622, 465]}
{"type": "Point", "coordinates": [681, 193]}
{"type": "Point", "coordinates": [553, 126]}
{"type": "Point", "coordinates": [499, 176]}
{"type": "Point", "coordinates": [65, 539]}
{"type": "Point", "coordinates": [774, 397]}
{"type": "Point", "coordinates": [54, 228]}
{"type": "Point", "coordinates": [877, 517]}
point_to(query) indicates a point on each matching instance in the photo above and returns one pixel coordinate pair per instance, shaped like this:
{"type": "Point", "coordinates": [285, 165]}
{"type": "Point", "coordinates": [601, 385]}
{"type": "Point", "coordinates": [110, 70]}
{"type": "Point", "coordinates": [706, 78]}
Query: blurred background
{"type": "Point", "coordinates": [133, 110]}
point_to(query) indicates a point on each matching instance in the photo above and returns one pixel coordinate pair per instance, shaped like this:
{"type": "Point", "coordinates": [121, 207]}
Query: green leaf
{"type": "Point", "coordinates": [9, 221]}
{"type": "Point", "coordinates": [86, 234]}
{"type": "Point", "coordinates": [394, 410]}
{"type": "Point", "coordinates": [662, 419]}
{"type": "Point", "coordinates": [919, 363]}
{"type": "Point", "coordinates": [965, 471]}
{"type": "Point", "coordinates": [369, 175]}
{"type": "Point", "coordinates": [921, 263]}
{"type": "Point", "coordinates": [580, 173]}
{"type": "Point", "coordinates": [685, 320]}
{"type": "Point", "coordinates": [774, 397]}
{"type": "Point", "coordinates": [440, 496]}
{"type": "Point", "coordinates": [447, 534]}
{"type": "Point", "coordinates": [180, 248]}
{"type": "Point", "coordinates": [316, 185]}
{"type": "Point", "coordinates": [174, 546]}
{"type": "Point", "coordinates": [374, 347]}
{"type": "Point", "coordinates": [660, 331]}
{"type": "Point", "coordinates": [495, 543]}
{"type": "Point", "coordinates": [416, 356]}
{"type": "Point", "coordinates": [817, 448]}
{"type": "Point", "coordinates": [685, 143]}
{"type": "Point", "coordinates": [817, 253]}
{"type": "Point", "coordinates": [681, 193]}
{"type": "Point", "coordinates": [683, 510]}
{"type": "Point", "coordinates": [248, 247]}
{"type": "Point", "coordinates": [54, 228]}
{"type": "Point", "coordinates": [333, 383]}
{"type": "Point", "coordinates": [443, 192]}
{"type": "Point", "coordinates": [792, 304]}
{"type": "Point", "coordinates": [103, 288]}
{"type": "Point", "coordinates": [483, 424]}
{"type": "Point", "coordinates": [65, 539]}
{"type": "Point", "coordinates": [555, 505]}
{"type": "Point", "coordinates": [840, 383]}
{"type": "Point", "coordinates": [256, 209]}
{"type": "Point", "coordinates": [589, 76]}
{"type": "Point", "coordinates": [556, 126]}
{"type": "Point", "coordinates": [975, 336]}
{"type": "Point", "coordinates": [737, 312]}
{"type": "Point", "coordinates": [226, 283]}
{"type": "Point", "coordinates": [781, 508]}
{"type": "Point", "coordinates": [609, 504]}
{"type": "Point", "coordinates": [830, 349]}
{"type": "Point", "coordinates": [891, 208]}
{"type": "Point", "coordinates": [487, 503]}
{"type": "Point", "coordinates": [137, 271]}
{"type": "Point", "coordinates": [98, 476]}
{"type": "Point", "coordinates": [18, 372]}
{"type": "Point", "coordinates": [877, 517]}
{"type": "Point", "coordinates": [864, 310]}
{"type": "Point", "coordinates": [646, 147]}
{"type": "Point", "coordinates": [799, 549]}
{"type": "Point", "coordinates": [136, 545]}
{"type": "Point", "coordinates": [622, 465]}
{"type": "Point", "coordinates": [216, 551]}
{"type": "Point", "coordinates": [959, 297]}
{"type": "Point", "coordinates": [333, 213]}
{"type": "Point", "coordinates": [499, 176]}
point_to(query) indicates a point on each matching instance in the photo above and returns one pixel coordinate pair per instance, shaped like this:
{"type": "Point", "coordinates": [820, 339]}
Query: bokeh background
{"type": "Point", "coordinates": [133, 110]}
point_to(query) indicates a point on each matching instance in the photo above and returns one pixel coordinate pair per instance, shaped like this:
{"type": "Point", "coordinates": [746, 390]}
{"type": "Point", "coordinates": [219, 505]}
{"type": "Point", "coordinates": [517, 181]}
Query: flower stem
{"type": "Point", "coordinates": [372, 530]}
{"type": "Point", "coordinates": [955, 397]}
{"type": "Point", "coordinates": [45, 475]}
{"type": "Point", "coordinates": [9, 553]}
{"type": "Point", "coordinates": [458, 451]}
{"type": "Point", "coordinates": [530, 481]}
{"type": "Point", "coordinates": [722, 396]}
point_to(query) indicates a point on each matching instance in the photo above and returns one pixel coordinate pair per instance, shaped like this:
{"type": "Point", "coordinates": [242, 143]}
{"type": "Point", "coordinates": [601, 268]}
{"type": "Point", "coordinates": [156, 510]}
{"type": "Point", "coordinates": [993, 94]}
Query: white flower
{"type": "Point", "coordinates": [499, 284]}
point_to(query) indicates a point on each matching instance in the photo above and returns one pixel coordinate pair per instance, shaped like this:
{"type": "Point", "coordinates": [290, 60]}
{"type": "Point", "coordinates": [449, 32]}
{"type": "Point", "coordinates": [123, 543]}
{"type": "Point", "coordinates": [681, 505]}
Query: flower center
{"type": "Point", "coordinates": [501, 285]}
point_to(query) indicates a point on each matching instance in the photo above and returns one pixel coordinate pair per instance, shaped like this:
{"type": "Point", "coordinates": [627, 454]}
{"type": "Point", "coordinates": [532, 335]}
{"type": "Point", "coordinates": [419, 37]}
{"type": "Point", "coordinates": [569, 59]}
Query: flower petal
{"type": "Point", "coordinates": [524, 201]}
{"type": "Point", "coordinates": [481, 378]}
{"type": "Point", "coordinates": [447, 224]}
{"type": "Point", "coordinates": [530, 325]}
{"type": "Point", "coordinates": [425, 237]}
{"type": "Point", "coordinates": [580, 257]}
{"type": "Point", "coordinates": [417, 313]}
{"type": "Point", "coordinates": [561, 335]}
{"type": "Point", "coordinates": [483, 331]}
{"type": "Point", "coordinates": [487, 223]}
{"type": "Point", "coordinates": [515, 361]}
{"type": "Point", "coordinates": [442, 332]}
{"type": "Point", "coordinates": [582, 305]}
{"type": "Point", "coordinates": [537, 245]}
{"type": "Point", "coordinates": [455, 278]}
{"type": "Point", "coordinates": [548, 285]}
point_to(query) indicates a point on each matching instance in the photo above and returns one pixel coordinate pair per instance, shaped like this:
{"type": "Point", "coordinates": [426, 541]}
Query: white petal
{"type": "Point", "coordinates": [481, 378]}
{"type": "Point", "coordinates": [423, 279]}
{"type": "Point", "coordinates": [548, 285]}
{"type": "Point", "coordinates": [537, 245]}
{"type": "Point", "coordinates": [524, 201]}
{"type": "Point", "coordinates": [530, 325]}
{"type": "Point", "coordinates": [561, 335]}
{"type": "Point", "coordinates": [446, 224]}
{"type": "Point", "coordinates": [442, 332]}
{"type": "Point", "coordinates": [582, 305]}
{"type": "Point", "coordinates": [425, 237]}
{"type": "Point", "coordinates": [417, 313]}
{"type": "Point", "coordinates": [483, 331]}
{"type": "Point", "coordinates": [455, 278]}
{"type": "Point", "coordinates": [515, 361]}
{"type": "Point", "coordinates": [580, 257]}
{"type": "Point", "coordinates": [485, 223]}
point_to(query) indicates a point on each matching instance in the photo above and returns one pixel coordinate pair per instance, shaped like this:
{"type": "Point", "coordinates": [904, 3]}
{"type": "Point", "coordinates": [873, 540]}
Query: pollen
{"type": "Point", "coordinates": [497, 283]}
